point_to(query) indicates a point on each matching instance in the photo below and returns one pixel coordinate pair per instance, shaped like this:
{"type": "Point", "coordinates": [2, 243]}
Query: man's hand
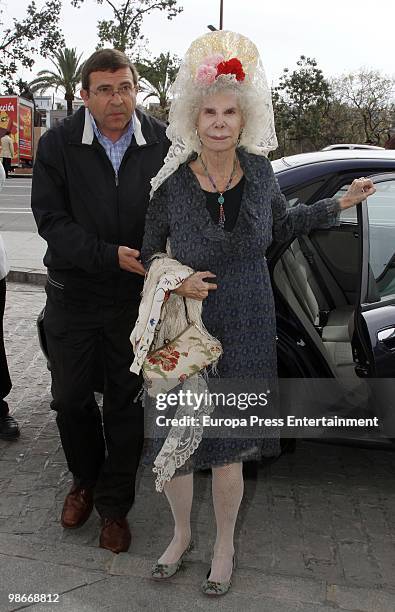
{"type": "Point", "coordinates": [194, 286]}
{"type": "Point", "coordinates": [128, 260]}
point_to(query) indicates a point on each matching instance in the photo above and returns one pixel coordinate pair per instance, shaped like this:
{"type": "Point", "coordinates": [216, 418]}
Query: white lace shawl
{"type": "Point", "coordinates": [164, 275]}
{"type": "Point", "coordinates": [158, 304]}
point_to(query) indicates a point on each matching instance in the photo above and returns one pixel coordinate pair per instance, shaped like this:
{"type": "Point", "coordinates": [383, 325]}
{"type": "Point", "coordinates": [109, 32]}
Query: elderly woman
{"type": "Point", "coordinates": [218, 203]}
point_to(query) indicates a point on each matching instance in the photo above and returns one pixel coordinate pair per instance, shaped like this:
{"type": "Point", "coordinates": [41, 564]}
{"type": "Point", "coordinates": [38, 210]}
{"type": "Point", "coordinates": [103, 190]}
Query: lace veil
{"type": "Point", "coordinates": [258, 135]}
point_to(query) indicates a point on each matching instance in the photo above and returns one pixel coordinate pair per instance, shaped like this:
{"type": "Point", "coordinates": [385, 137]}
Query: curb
{"type": "Point", "coordinates": [27, 277]}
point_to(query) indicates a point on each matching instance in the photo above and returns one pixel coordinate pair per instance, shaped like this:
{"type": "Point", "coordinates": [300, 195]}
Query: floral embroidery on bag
{"type": "Point", "coordinates": [167, 358]}
{"type": "Point", "coordinates": [172, 364]}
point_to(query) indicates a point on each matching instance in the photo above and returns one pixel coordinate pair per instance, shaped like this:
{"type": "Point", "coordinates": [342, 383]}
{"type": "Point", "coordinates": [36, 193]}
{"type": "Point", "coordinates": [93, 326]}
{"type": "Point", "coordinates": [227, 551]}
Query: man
{"type": "Point", "coordinates": [9, 429]}
{"type": "Point", "coordinates": [7, 151]}
{"type": "Point", "coordinates": [91, 184]}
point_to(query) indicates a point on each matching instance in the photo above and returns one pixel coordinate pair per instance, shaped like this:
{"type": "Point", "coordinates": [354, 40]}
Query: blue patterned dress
{"type": "Point", "coordinates": [240, 312]}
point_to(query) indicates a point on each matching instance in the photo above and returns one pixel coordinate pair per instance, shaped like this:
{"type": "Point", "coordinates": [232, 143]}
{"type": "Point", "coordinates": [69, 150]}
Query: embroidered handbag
{"type": "Point", "coordinates": [185, 355]}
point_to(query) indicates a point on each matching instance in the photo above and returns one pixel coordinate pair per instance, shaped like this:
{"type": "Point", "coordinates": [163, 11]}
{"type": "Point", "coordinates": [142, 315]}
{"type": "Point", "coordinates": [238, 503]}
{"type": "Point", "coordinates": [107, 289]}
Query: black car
{"type": "Point", "coordinates": [335, 293]}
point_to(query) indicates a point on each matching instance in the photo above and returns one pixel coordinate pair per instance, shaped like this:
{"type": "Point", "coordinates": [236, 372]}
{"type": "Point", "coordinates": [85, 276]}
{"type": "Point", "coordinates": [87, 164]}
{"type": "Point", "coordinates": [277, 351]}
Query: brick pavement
{"type": "Point", "coordinates": [315, 534]}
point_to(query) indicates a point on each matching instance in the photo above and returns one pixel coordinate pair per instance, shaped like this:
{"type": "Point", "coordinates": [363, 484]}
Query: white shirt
{"type": "Point", "coordinates": [4, 266]}
{"type": "Point", "coordinates": [7, 147]}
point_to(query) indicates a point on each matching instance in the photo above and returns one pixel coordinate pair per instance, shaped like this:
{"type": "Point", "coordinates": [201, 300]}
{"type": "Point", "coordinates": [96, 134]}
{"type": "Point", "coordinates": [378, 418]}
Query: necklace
{"type": "Point", "coordinates": [221, 199]}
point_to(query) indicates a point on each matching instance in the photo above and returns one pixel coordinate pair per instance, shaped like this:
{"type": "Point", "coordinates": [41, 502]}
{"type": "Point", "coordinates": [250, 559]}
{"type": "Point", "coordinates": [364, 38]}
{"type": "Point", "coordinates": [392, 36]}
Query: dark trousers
{"type": "Point", "coordinates": [7, 165]}
{"type": "Point", "coordinates": [5, 380]}
{"type": "Point", "coordinates": [104, 454]}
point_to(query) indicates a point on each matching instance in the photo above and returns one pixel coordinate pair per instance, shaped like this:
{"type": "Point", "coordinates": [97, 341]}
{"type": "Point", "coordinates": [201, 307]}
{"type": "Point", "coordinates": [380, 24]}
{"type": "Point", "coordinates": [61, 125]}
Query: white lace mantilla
{"type": "Point", "coordinates": [181, 442]}
{"type": "Point", "coordinates": [259, 134]}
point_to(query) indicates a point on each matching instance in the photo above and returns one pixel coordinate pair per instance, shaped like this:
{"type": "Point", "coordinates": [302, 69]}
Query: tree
{"type": "Point", "coordinates": [123, 31]}
{"type": "Point", "coordinates": [341, 123]}
{"type": "Point", "coordinates": [157, 76]}
{"type": "Point", "coordinates": [282, 120]}
{"type": "Point", "coordinates": [301, 100]}
{"type": "Point", "coordinates": [67, 76]}
{"type": "Point", "coordinates": [369, 94]}
{"type": "Point", "coordinates": [22, 40]}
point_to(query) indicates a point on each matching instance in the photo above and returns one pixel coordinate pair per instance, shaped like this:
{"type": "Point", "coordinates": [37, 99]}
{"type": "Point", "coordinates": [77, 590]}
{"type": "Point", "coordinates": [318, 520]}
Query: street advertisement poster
{"type": "Point", "coordinates": [25, 131]}
{"type": "Point", "coordinates": [9, 120]}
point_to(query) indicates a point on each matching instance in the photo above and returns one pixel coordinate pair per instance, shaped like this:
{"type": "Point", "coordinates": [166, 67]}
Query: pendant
{"type": "Point", "coordinates": [221, 221]}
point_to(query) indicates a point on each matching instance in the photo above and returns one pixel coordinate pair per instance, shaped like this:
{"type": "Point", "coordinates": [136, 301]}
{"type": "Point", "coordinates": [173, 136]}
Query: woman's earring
{"type": "Point", "coordinates": [197, 134]}
{"type": "Point", "coordinates": [239, 138]}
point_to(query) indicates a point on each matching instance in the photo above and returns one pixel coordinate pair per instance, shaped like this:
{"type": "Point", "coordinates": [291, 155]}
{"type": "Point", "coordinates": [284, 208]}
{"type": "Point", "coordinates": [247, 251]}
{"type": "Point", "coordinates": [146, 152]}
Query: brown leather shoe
{"type": "Point", "coordinates": [77, 507]}
{"type": "Point", "coordinates": [115, 535]}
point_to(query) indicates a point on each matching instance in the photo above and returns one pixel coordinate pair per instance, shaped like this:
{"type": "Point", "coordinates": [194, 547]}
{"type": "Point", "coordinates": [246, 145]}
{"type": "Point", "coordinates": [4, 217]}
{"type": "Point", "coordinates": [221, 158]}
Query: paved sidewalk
{"type": "Point", "coordinates": [315, 533]}
{"type": "Point", "coordinates": [25, 252]}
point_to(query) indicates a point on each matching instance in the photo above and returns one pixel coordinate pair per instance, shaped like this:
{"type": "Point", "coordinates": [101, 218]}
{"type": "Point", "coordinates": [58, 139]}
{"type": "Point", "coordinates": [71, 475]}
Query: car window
{"type": "Point", "coordinates": [381, 211]}
{"type": "Point", "coordinates": [350, 214]}
{"type": "Point", "coordinates": [303, 193]}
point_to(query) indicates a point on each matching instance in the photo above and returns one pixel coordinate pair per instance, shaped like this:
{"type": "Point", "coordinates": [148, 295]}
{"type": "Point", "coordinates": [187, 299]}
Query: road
{"type": "Point", "coordinates": [17, 216]}
{"type": "Point", "coordinates": [15, 212]}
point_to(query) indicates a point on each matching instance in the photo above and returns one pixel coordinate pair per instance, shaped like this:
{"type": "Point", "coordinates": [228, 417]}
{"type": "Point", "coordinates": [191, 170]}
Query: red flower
{"type": "Point", "coordinates": [232, 66]}
{"type": "Point", "coordinates": [168, 367]}
{"type": "Point", "coordinates": [167, 358]}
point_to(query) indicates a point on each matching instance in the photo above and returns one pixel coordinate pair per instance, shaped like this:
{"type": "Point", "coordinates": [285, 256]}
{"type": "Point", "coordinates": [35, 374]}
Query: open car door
{"type": "Point", "coordinates": [373, 340]}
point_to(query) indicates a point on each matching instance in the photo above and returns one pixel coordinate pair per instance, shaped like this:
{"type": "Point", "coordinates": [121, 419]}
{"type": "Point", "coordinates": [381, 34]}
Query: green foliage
{"type": "Point", "coordinates": [312, 112]}
{"type": "Point", "coordinates": [123, 31]}
{"type": "Point", "coordinates": [301, 101]}
{"type": "Point", "coordinates": [67, 76]}
{"type": "Point", "coordinates": [22, 40]}
{"type": "Point", "coordinates": [157, 76]}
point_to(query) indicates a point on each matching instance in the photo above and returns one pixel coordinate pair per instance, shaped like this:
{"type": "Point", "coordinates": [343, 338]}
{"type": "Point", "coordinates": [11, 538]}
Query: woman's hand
{"type": "Point", "coordinates": [194, 286]}
{"type": "Point", "coordinates": [359, 190]}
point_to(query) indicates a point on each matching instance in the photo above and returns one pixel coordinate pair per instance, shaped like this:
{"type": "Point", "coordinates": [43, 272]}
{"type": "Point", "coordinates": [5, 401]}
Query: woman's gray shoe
{"type": "Point", "coordinates": [212, 588]}
{"type": "Point", "coordinates": [165, 570]}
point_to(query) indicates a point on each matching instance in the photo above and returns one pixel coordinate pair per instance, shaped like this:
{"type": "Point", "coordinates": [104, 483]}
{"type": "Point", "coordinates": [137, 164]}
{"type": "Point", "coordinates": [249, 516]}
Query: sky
{"type": "Point", "coordinates": [342, 35]}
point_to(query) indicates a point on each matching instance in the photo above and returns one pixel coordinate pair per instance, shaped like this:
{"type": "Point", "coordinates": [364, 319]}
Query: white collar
{"type": "Point", "coordinates": [88, 132]}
